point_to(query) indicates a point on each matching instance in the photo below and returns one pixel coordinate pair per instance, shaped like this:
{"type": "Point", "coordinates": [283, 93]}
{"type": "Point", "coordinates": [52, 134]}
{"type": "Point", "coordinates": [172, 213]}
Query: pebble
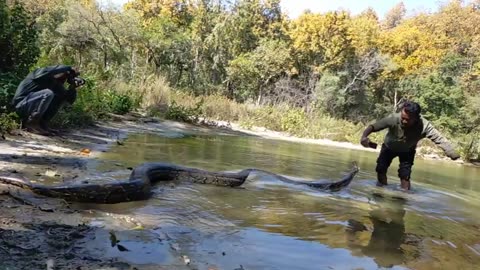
{"type": "Point", "coordinates": [186, 259]}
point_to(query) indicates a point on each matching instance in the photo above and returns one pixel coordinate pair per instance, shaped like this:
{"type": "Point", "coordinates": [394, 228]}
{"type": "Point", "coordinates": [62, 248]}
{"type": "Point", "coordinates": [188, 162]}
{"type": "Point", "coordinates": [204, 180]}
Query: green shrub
{"type": "Point", "coordinates": [8, 86]}
{"type": "Point", "coordinates": [468, 146]}
{"type": "Point", "coordinates": [74, 116]}
{"type": "Point", "coordinates": [294, 121]}
{"type": "Point", "coordinates": [118, 103]}
{"type": "Point", "coordinates": [184, 114]}
{"type": "Point", "coordinates": [8, 122]}
{"type": "Point", "coordinates": [95, 101]}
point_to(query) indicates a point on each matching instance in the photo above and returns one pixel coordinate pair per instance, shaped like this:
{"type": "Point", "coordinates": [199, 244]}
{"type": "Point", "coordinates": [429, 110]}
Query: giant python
{"type": "Point", "coordinates": [139, 185]}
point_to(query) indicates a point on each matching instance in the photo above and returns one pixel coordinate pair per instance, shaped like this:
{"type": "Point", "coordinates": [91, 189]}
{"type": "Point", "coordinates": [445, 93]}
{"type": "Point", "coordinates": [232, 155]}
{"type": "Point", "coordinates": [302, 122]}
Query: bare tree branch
{"type": "Point", "coordinates": [369, 64]}
{"type": "Point", "coordinates": [111, 30]}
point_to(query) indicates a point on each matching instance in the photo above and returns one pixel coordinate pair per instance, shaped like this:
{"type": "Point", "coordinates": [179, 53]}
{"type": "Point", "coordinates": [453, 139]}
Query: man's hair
{"type": "Point", "coordinates": [412, 108]}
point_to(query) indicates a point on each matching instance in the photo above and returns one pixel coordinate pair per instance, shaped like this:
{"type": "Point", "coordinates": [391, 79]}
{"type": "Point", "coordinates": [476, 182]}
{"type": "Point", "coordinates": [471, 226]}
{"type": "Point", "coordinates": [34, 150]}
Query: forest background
{"type": "Point", "coordinates": [320, 75]}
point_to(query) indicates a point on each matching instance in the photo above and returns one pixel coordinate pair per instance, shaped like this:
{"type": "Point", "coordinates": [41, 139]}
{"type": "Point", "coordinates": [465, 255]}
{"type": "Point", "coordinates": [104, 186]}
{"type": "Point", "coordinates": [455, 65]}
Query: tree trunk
{"type": "Point", "coordinates": [80, 58]}
{"type": "Point", "coordinates": [104, 57]}
{"type": "Point", "coordinates": [259, 97]}
{"type": "Point", "coordinates": [132, 62]}
{"type": "Point", "coordinates": [395, 102]}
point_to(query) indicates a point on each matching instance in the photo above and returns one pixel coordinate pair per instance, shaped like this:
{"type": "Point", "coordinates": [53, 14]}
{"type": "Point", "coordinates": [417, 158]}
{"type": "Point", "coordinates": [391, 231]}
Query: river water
{"type": "Point", "coordinates": [267, 224]}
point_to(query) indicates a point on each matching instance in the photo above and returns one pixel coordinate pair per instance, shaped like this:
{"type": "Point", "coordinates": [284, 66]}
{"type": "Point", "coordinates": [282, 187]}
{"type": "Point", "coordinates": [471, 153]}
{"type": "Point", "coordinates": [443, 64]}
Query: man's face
{"type": "Point", "coordinates": [406, 119]}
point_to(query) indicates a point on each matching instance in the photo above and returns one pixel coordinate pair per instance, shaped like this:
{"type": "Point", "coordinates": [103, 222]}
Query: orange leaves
{"type": "Point", "coordinates": [85, 152]}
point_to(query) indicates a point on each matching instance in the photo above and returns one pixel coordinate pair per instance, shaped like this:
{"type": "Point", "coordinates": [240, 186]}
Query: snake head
{"type": "Point", "coordinates": [355, 168]}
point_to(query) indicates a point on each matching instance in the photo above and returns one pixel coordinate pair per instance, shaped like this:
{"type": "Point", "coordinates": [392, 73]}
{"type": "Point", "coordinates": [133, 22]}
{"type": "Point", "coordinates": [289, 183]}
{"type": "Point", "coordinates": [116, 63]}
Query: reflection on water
{"type": "Point", "coordinates": [388, 231]}
{"type": "Point", "coordinates": [266, 224]}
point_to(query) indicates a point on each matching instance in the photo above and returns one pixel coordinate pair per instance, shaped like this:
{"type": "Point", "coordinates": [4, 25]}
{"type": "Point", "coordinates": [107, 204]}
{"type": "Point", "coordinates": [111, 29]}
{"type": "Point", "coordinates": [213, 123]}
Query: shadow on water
{"type": "Point", "coordinates": [388, 233]}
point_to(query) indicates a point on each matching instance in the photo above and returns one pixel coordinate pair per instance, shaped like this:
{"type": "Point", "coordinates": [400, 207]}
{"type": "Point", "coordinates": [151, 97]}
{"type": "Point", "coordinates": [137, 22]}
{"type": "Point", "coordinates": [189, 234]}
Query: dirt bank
{"type": "Point", "coordinates": [40, 233]}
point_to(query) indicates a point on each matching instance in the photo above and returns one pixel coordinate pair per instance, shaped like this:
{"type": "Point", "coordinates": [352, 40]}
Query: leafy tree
{"type": "Point", "coordinates": [251, 73]}
{"type": "Point", "coordinates": [364, 31]}
{"type": "Point", "coordinates": [441, 100]}
{"type": "Point", "coordinates": [19, 49]}
{"type": "Point", "coordinates": [395, 16]}
{"type": "Point", "coordinates": [347, 94]}
{"type": "Point", "coordinates": [17, 39]}
{"type": "Point", "coordinates": [322, 42]}
{"type": "Point", "coordinates": [179, 11]}
{"type": "Point", "coordinates": [413, 47]}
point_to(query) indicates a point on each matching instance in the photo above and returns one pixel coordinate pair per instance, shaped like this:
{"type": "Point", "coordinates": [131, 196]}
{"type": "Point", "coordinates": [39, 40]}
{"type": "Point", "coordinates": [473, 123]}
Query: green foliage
{"type": "Point", "coordinates": [441, 101]}
{"type": "Point", "coordinates": [19, 50]}
{"type": "Point", "coordinates": [469, 146]}
{"type": "Point", "coordinates": [183, 113]}
{"type": "Point", "coordinates": [8, 122]}
{"type": "Point", "coordinates": [171, 49]}
{"type": "Point", "coordinates": [250, 73]}
{"type": "Point", "coordinates": [243, 73]}
{"type": "Point", "coordinates": [470, 115]}
{"type": "Point", "coordinates": [94, 102]}
{"type": "Point", "coordinates": [327, 92]}
{"type": "Point", "coordinates": [336, 71]}
{"type": "Point", "coordinates": [452, 66]}
{"type": "Point", "coordinates": [88, 107]}
{"type": "Point", "coordinates": [119, 103]}
{"type": "Point", "coordinates": [8, 85]}
{"type": "Point", "coordinates": [17, 40]}
{"type": "Point", "coordinates": [294, 121]}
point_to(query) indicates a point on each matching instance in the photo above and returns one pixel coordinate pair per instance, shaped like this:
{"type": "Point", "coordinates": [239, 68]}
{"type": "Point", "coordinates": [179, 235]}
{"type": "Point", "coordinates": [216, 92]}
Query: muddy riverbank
{"type": "Point", "coordinates": [41, 233]}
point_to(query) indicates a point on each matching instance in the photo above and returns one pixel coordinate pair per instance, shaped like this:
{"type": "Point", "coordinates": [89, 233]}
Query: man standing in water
{"type": "Point", "coordinates": [405, 130]}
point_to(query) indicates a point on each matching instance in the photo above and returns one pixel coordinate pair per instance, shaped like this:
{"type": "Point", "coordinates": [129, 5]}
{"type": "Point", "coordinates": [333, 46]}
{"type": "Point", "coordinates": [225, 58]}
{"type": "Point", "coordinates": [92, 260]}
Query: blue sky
{"type": "Point", "coordinates": [295, 7]}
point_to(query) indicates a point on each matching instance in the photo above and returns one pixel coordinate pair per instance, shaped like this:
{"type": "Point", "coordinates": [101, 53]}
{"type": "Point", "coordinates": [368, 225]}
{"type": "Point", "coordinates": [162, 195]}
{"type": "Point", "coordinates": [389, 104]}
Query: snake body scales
{"type": "Point", "coordinates": [139, 185]}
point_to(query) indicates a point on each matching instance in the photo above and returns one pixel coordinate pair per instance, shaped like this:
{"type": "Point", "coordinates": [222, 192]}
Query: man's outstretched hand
{"type": "Point", "coordinates": [365, 141]}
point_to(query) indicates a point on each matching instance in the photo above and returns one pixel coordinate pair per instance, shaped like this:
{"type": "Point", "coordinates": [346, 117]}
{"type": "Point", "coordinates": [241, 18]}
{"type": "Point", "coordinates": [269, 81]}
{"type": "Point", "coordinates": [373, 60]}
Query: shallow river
{"type": "Point", "coordinates": [271, 225]}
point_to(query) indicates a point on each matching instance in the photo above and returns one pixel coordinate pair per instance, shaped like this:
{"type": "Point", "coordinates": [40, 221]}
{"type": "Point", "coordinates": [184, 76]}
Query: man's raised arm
{"type": "Point", "coordinates": [435, 136]}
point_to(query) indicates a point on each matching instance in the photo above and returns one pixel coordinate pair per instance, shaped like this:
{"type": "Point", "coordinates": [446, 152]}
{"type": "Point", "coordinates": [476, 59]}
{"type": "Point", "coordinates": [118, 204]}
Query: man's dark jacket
{"type": "Point", "coordinates": [42, 78]}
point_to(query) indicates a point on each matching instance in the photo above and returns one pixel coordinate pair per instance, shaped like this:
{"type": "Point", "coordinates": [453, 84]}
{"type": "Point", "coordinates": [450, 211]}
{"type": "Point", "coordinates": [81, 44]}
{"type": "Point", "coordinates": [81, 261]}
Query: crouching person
{"type": "Point", "coordinates": [41, 94]}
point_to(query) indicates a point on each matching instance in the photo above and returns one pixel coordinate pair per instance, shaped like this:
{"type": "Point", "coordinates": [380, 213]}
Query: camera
{"type": "Point", "coordinates": [75, 80]}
